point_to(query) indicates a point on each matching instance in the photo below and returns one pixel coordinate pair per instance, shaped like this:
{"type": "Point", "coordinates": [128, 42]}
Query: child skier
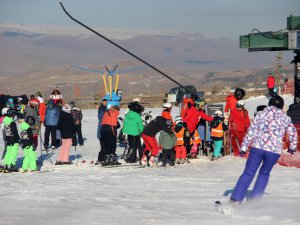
{"type": "Point", "coordinates": [27, 143]}
{"type": "Point", "coordinates": [11, 138]}
{"type": "Point", "coordinates": [167, 142]}
{"type": "Point", "coordinates": [183, 140]}
{"type": "Point", "coordinates": [217, 133]}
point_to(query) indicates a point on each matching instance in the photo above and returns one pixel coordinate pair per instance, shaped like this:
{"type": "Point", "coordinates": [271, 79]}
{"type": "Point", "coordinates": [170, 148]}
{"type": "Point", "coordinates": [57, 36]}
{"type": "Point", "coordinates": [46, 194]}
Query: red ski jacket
{"type": "Point", "coordinates": [239, 120]}
{"type": "Point", "coordinates": [271, 82]}
{"type": "Point", "coordinates": [230, 103]}
{"type": "Point", "coordinates": [191, 118]}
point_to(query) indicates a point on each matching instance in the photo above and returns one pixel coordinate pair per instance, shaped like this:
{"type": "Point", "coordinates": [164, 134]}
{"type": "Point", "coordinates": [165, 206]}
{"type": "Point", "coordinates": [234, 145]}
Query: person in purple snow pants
{"type": "Point", "coordinates": [265, 136]}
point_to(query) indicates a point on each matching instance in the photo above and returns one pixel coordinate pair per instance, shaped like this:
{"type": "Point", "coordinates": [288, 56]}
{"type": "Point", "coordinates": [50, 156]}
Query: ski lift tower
{"type": "Point", "coordinates": [283, 40]}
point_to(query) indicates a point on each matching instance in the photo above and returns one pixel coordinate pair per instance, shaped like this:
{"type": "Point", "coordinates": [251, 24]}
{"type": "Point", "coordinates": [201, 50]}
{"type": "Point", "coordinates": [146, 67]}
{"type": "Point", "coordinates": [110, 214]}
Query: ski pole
{"type": "Point", "coordinates": [77, 159]}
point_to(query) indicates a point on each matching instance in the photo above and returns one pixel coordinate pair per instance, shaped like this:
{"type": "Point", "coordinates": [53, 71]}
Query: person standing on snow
{"type": "Point", "coordinates": [271, 85]}
{"type": "Point", "coordinates": [239, 123]}
{"type": "Point", "coordinates": [133, 127]}
{"type": "Point", "coordinates": [77, 117]}
{"type": "Point", "coordinates": [151, 145]}
{"type": "Point", "coordinates": [66, 126]}
{"type": "Point", "coordinates": [265, 135]}
{"type": "Point", "coordinates": [31, 110]}
{"type": "Point", "coordinates": [11, 138]}
{"type": "Point", "coordinates": [183, 141]}
{"type": "Point", "coordinates": [218, 128]}
{"type": "Point", "coordinates": [27, 143]}
{"type": "Point", "coordinates": [51, 119]}
{"type": "Point", "coordinates": [101, 111]}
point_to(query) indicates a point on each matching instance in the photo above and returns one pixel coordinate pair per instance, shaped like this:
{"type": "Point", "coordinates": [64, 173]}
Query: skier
{"type": "Point", "coordinates": [109, 126]}
{"type": "Point", "coordinates": [265, 135]}
{"type": "Point", "coordinates": [101, 111]}
{"type": "Point", "coordinates": [232, 99]}
{"type": "Point", "coordinates": [42, 106]}
{"type": "Point", "coordinates": [166, 112]}
{"type": "Point", "coordinates": [217, 127]}
{"type": "Point", "coordinates": [31, 110]}
{"type": "Point", "coordinates": [183, 140]}
{"type": "Point", "coordinates": [167, 142]}
{"type": "Point", "coordinates": [11, 138]}
{"type": "Point", "coordinates": [77, 117]}
{"type": "Point", "coordinates": [271, 84]}
{"type": "Point", "coordinates": [133, 127]}
{"type": "Point", "coordinates": [191, 118]}
{"type": "Point", "coordinates": [238, 122]}
{"type": "Point", "coordinates": [20, 109]}
{"type": "Point", "coordinates": [27, 143]}
{"type": "Point", "coordinates": [66, 126]}
{"type": "Point", "coordinates": [151, 145]}
{"type": "Point", "coordinates": [51, 119]}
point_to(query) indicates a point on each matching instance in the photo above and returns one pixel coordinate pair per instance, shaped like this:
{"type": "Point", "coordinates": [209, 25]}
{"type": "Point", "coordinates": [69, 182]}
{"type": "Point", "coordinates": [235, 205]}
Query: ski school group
{"type": "Point", "coordinates": [62, 122]}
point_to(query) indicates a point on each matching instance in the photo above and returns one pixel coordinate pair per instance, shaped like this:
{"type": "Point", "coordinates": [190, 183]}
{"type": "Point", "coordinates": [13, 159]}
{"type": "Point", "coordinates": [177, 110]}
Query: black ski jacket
{"type": "Point", "coordinates": [294, 113]}
{"type": "Point", "coordinates": [66, 125]}
{"type": "Point", "coordinates": [156, 125]}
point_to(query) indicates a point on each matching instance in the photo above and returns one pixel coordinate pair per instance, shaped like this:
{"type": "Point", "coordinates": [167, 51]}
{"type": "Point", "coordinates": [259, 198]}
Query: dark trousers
{"type": "Point", "coordinates": [77, 133]}
{"type": "Point", "coordinates": [255, 158]}
{"type": "Point", "coordinates": [271, 92]}
{"type": "Point", "coordinates": [48, 130]}
{"type": "Point", "coordinates": [108, 144]}
{"type": "Point", "coordinates": [134, 145]}
{"type": "Point", "coordinates": [168, 154]}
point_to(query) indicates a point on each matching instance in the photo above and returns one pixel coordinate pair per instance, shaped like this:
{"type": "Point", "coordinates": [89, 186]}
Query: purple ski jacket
{"type": "Point", "coordinates": [268, 129]}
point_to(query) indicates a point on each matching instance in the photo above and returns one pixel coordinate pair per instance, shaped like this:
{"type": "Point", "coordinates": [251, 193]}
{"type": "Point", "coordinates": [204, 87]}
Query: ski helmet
{"type": "Point", "coordinates": [167, 106]}
{"type": "Point", "coordinates": [178, 120]}
{"type": "Point", "coordinates": [240, 104]}
{"type": "Point", "coordinates": [218, 113]}
{"type": "Point", "coordinates": [30, 120]}
{"type": "Point", "coordinates": [6, 112]}
{"type": "Point", "coordinates": [276, 101]}
{"type": "Point", "coordinates": [239, 93]}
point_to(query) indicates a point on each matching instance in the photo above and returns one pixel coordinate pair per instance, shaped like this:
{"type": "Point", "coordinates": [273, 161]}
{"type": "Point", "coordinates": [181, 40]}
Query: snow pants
{"type": "Point", "coordinates": [11, 155]}
{"type": "Point", "coordinates": [134, 145]}
{"type": "Point", "coordinates": [29, 161]}
{"type": "Point", "coordinates": [108, 143]}
{"type": "Point", "coordinates": [236, 140]}
{"type": "Point", "coordinates": [255, 158]}
{"type": "Point", "coordinates": [151, 145]}
{"type": "Point", "coordinates": [217, 149]}
{"type": "Point", "coordinates": [168, 154]}
{"type": "Point", "coordinates": [180, 152]}
{"type": "Point", "coordinates": [77, 133]}
{"type": "Point", "coordinates": [65, 150]}
{"type": "Point", "coordinates": [48, 130]}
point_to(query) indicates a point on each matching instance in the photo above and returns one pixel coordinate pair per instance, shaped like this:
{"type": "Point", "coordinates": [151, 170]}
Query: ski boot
{"type": "Point", "coordinates": [113, 160]}
{"type": "Point", "coordinates": [177, 161]}
{"type": "Point", "coordinates": [1, 168]}
{"type": "Point", "coordinates": [152, 161]}
{"type": "Point", "coordinates": [163, 164]}
{"type": "Point", "coordinates": [172, 163]}
{"type": "Point", "coordinates": [144, 161]}
{"type": "Point", "coordinates": [13, 168]}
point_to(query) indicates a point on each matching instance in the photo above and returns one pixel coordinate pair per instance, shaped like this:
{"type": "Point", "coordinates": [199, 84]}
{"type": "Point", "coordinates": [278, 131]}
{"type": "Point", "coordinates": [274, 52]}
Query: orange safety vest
{"type": "Point", "coordinates": [179, 136]}
{"type": "Point", "coordinates": [196, 138]}
{"type": "Point", "coordinates": [217, 131]}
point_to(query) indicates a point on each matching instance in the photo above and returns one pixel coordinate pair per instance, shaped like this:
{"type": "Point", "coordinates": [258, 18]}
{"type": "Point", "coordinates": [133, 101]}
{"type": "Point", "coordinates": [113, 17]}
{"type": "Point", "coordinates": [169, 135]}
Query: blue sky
{"type": "Point", "coordinates": [225, 18]}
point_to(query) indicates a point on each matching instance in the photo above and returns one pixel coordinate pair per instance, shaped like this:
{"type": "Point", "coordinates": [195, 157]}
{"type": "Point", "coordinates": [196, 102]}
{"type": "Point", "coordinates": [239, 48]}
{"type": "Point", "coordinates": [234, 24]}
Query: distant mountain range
{"type": "Point", "coordinates": [40, 53]}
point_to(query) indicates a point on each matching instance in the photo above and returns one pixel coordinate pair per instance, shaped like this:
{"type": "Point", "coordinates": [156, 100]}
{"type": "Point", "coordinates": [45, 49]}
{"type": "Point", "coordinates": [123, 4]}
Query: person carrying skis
{"type": "Point", "coordinates": [183, 140]}
{"type": "Point", "coordinates": [265, 136]}
{"type": "Point", "coordinates": [239, 123]}
{"type": "Point", "coordinates": [27, 143]}
{"type": "Point", "coordinates": [11, 138]}
{"type": "Point", "coordinates": [151, 145]}
{"type": "Point", "coordinates": [77, 117]}
{"type": "Point", "coordinates": [133, 127]}
{"type": "Point", "coordinates": [217, 127]}
{"type": "Point", "coordinates": [66, 126]}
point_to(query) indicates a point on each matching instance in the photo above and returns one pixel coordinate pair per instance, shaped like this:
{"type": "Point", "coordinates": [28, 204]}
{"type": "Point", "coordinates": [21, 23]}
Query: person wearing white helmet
{"type": "Point", "coordinates": [218, 128]}
{"type": "Point", "coordinates": [239, 123]}
{"type": "Point", "coordinates": [11, 138]}
{"type": "Point", "coordinates": [166, 113]}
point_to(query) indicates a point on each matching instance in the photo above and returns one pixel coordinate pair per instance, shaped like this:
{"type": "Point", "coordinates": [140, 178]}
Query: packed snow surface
{"type": "Point", "coordinates": [83, 193]}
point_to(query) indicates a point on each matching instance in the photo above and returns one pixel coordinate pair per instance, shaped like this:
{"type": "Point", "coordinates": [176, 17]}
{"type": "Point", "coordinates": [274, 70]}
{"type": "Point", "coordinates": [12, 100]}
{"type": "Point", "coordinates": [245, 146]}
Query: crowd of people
{"type": "Point", "coordinates": [62, 123]}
